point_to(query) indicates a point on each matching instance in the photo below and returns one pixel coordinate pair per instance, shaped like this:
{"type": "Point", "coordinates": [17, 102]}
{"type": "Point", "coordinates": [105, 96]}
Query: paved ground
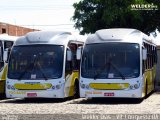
{"type": "Point", "coordinates": [77, 108]}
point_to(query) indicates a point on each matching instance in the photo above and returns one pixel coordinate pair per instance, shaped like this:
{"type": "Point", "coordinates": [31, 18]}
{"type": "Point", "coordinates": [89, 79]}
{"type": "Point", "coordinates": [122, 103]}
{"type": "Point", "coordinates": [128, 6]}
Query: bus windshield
{"type": "Point", "coordinates": [36, 62]}
{"type": "Point", "coordinates": [111, 61]}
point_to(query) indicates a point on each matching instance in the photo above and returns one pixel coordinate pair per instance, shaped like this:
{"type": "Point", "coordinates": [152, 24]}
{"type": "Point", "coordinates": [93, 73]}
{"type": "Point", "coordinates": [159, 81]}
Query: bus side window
{"type": "Point", "coordinates": [1, 51]}
{"type": "Point", "coordinates": [68, 66]}
{"type": "Point", "coordinates": [143, 65]}
{"type": "Point", "coordinates": [75, 62]}
{"type": "Point", "coordinates": [156, 56]}
{"type": "Point", "coordinates": [1, 56]}
{"type": "Point", "coordinates": [8, 44]}
{"type": "Point", "coordinates": [1, 65]}
{"type": "Point", "coordinates": [7, 49]}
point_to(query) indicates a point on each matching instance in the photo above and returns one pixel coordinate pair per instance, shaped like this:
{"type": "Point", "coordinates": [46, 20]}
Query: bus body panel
{"type": "Point", "coordinates": [149, 77]}
{"type": "Point", "coordinates": [39, 88]}
{"type": "Point", "coordinates": [117, 89]}
{"type": "Point", "coordinates": [70, 83]}
{"type": "Point", "coordinates": [6, 42]}
{"type": "Point", "coordinates": [3, 74]}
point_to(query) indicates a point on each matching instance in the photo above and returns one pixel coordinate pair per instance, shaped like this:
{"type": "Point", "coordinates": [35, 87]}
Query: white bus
{"type": "Point", "coordinates": [117, 63]}
{"type": "Point", "coordinates": [43, 64]}
{"type": "Point", "coordinates": [6, 42]}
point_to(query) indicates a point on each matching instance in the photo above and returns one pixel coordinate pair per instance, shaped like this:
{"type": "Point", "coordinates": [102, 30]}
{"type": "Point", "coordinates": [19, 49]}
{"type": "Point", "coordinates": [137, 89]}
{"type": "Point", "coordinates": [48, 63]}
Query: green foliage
{"type": "Point", "coordinates": [91, 15]}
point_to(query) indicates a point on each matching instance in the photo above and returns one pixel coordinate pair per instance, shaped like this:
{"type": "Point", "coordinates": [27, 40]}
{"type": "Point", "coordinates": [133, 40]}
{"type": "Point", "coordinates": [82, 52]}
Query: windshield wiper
{"type": "Point", "coordinates": [123, 77]}
{"type": "Point", "coordinates": [109, 64]}
{"type": "Point", "coordinates": [40, 68]}
{"type": "Point", "coordinates": [28, 67]}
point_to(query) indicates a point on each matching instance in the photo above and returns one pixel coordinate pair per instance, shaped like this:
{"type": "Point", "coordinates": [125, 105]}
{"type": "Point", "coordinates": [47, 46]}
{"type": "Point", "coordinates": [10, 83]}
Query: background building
{"type": "Point", "coordinates": [14, 30]}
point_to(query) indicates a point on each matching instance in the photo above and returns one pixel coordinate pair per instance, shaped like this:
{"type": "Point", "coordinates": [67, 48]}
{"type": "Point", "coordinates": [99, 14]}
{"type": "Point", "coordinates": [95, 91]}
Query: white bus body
{"type": "Point", "coordinates": [43, 64]}
{"type": "Point", "coordinates": [117, 63]}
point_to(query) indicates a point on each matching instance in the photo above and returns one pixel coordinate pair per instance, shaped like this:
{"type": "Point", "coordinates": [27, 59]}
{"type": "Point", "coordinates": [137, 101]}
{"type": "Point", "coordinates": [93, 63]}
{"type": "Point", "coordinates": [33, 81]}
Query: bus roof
{"type": "Point", "coordinates": [118, 35]}
{"type": "Point", "coordinates": [45, 37]}
{"type": "Point", "coordinates": [6, 37]}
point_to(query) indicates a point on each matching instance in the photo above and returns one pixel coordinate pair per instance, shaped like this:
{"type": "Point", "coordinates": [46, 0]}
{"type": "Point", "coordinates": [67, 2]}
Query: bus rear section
{"type": "Point", "coordinates": [111, 65]}
{"type": "Point", "coordinates": [40, 68]}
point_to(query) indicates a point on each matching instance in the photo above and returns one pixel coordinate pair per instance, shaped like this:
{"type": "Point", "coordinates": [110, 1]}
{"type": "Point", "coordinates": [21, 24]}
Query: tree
{"type": "Point", "coordinates": [92, 15]}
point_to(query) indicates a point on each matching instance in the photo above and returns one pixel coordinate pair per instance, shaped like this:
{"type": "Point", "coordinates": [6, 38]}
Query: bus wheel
{"type": "Point", "coordinates": [154, 87]}
{"type": "Point", "coordinates": [146, 90]}
{"type": "Point", "coordinates": [76, 89]}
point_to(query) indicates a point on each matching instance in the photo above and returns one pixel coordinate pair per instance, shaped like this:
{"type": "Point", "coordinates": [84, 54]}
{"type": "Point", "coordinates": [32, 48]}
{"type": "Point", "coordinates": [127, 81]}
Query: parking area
{"type": "Point", "coordinates": [150, 105]}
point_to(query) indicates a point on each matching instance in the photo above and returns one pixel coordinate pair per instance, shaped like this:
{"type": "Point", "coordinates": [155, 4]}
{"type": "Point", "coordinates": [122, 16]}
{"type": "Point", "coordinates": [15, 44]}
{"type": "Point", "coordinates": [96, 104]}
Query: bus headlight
{"type": "Point", "coordinates": [8, 87]}
{"type": "Point", "coordinates": [12, 87]}
{"type": "Point", "coordinates": [53, 87]}
{"type": "Point", "coordinates": [87, 86]}
{"type": "Point", "coordinates": [83, 86]}
{"type": "Point", "coordinates": [136, 86]}
{"type": "Point", "coordinates": [131, 87]}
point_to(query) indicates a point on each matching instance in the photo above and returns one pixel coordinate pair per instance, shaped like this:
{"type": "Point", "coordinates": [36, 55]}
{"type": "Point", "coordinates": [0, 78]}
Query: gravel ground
{"type": "Point", "coordinates": [81, 106]}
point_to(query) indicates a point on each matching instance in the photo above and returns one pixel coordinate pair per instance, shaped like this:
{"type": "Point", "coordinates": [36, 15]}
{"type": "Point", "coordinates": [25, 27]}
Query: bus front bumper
{"type": "Point", "coordinates": [35, 94]}
{"type": "Point", "coordinates": [111, 93]}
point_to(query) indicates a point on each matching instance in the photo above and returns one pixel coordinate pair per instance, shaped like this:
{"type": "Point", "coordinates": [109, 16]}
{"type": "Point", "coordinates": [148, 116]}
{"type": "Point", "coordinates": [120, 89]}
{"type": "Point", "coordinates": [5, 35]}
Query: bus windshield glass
{"type": "Point", "coordinates": [111, 61]}
{"type": "Point", "coordinates": [36, 62]}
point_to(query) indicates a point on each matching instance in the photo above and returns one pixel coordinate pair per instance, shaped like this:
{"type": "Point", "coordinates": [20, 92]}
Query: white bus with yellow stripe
{"type": "Point", "coordinates": [117, 63]}
{"type": "Point", "coordinates": [6, 42]}
{"type": "Point", "coordinates": [43, 64]}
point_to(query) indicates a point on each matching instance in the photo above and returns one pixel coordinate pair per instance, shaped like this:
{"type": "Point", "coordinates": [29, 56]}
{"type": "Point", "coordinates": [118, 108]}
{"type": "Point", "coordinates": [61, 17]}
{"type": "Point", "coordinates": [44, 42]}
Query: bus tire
{"type": "Point", "coordinates": [3, 94]}
{"type": "Point", "coordinates": [146, 90]}
{"type": "Point", "coordinates": [76, 89]}
{"type": "Point", "coordinates": [154, 87]}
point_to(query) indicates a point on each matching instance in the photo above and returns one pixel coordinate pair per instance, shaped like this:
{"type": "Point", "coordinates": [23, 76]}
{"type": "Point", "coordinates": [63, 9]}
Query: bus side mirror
{"type": "Point", "coordinates": [144, 52]}
{"type": "Point", "coordinates": [79, 53]}
{"type": "Point", "coordinates": [69, 55]}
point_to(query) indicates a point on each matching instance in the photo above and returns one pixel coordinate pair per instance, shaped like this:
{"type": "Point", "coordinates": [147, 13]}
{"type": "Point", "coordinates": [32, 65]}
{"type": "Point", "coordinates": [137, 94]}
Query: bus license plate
{"type": "Point", "coordinates": [31, 94]}
{"type": "Point", "coordinates": [108, 94]}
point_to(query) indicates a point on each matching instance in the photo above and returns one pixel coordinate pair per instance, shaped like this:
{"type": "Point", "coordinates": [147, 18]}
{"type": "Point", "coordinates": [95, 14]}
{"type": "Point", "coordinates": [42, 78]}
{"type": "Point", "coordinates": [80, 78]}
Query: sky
{"type": "Point", "coordinates": [39, 14]}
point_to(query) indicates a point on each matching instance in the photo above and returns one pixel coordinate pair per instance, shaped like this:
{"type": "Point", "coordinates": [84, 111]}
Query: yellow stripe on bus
{"type": "Point", "coordinates": [21, 86]}
{"type": "Point", "coordinates": [109, 86]}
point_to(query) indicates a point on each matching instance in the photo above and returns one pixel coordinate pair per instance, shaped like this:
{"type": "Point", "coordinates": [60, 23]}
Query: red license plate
{"type": "Point", "coordinates": [108, 94]}
{"type": "Point", "coordinates": [31, 94]}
